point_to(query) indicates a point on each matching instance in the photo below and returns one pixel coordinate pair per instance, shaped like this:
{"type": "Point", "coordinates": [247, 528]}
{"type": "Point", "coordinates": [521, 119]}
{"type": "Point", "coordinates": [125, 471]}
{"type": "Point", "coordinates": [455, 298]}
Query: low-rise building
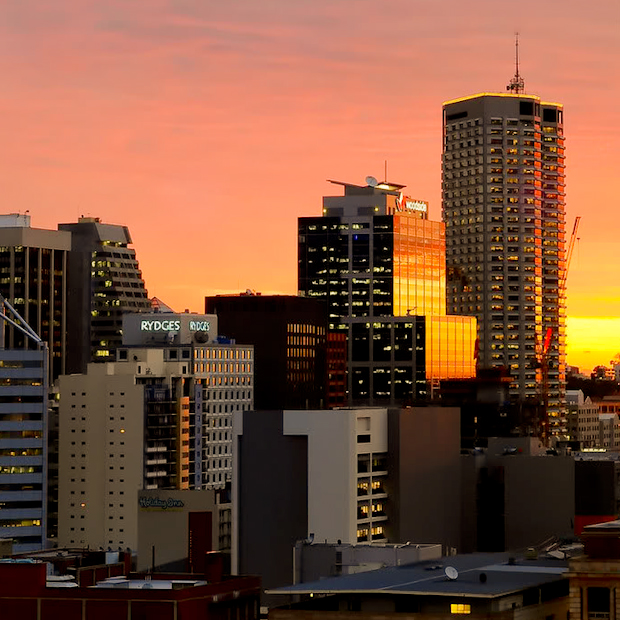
{"type": "Point", "coordinates": [582, 419]}
{"type": "Point", "coordinates": [477, 585]}
{"type": "Point", "coordinates": [609, 404]}
{"type": "Point", "coordinates": [96, 585]}
{"type": "Point", "coordinates": [316, 560]}
{"type": "Point", "coordinates": [515, 495]}
{"type": "Point", "coordinates": [595, 576]}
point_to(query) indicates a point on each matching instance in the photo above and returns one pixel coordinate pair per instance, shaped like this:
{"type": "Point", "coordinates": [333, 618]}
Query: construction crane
{"type": "Point", "coordinates": [543, 358]}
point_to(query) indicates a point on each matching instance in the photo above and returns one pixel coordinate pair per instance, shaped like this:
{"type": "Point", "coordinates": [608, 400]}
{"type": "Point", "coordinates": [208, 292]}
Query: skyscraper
{"type": "Point", "coordinates": [104, 282]}
{"type": "Point", "coordinates": [23, 436]}
{"type": "Point", "coordinates": [33, 279]}
{"type": "Point", "coordinates": [503, 206]}
{"type": "Point", "coordinates": [379, 263]}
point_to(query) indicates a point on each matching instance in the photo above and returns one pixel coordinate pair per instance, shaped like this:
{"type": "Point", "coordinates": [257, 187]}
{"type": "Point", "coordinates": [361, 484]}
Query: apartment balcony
{"type": "Point", "coordinates": [156, 474]}
{"type": "Point", "coordinates": [152, 449]}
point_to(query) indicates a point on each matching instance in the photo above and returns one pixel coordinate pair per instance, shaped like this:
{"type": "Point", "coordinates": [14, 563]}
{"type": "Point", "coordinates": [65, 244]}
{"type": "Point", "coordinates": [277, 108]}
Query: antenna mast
{"type": "Point", "coordinates": [517, 85]}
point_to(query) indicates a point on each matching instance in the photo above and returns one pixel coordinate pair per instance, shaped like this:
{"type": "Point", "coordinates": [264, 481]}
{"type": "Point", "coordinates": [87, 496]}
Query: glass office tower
{"type": "Point", "coordinates": [380, 265]}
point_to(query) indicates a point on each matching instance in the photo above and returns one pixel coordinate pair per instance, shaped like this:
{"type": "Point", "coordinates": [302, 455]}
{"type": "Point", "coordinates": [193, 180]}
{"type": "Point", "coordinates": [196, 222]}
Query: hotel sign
{"type": "Point", "coordinates": [199, 326]}
{"type": "Point", "coordinates": [158, 503]}
{"type": "Point", "coordinates": [160, 326]}
{"type": "Point", "coordinates": [406, 203]}
{"type": "Point", "coordinates": [148, 325]}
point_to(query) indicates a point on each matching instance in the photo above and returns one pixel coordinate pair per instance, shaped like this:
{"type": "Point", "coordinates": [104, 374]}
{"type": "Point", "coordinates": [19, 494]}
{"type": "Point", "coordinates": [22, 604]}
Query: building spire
{"type": "Point", "coordinates": [517, 85]}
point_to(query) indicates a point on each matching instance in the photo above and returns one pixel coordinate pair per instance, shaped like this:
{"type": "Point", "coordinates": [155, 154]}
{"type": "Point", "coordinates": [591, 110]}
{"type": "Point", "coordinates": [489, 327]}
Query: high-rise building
{"type": "Point", "coordinates": [159, 417]}
{"type": "Point", "coordinates": [33, 279]}
{"type": "Point", "coordinates": [503, 206]}
{"type": "Point", "coordinates": [23, 437]}
{"type": "Point", "coordinates": [289, 338]}
{"type": "Point", "coordinates": [379, 263]}
{"type": "Point", "coordinates": [104, 283]}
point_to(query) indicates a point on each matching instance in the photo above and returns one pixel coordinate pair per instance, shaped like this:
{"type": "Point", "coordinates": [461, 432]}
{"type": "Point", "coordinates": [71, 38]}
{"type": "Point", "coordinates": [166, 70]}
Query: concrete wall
{"type": "Point", "coordinates": [318, 561]}
{"type": "Point", "coordinates": [425, 483]}
{"type": "Point", "coordinates": [270, 496]}
{"type": "Point", "coordinates": [166, 528]}
{"type": "Point", "coordinates": [539, 498]}
{"type": "Point", "coordinates": [332, 465]}
{"type": "Point", "coordinates": [596, 487]}
{"type": "Point", "coordinates": [101, 447]}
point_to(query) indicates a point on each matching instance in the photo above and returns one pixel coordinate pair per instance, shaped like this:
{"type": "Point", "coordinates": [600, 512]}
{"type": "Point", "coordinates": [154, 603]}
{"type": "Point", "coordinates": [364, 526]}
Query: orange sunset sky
{"type": "Point", "coordinates": [209, 127]}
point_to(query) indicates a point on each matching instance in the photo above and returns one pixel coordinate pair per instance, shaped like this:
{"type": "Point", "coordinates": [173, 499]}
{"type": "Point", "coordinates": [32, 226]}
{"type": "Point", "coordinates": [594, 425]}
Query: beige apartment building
{"type": "Point", "coordinates": [159, 417]}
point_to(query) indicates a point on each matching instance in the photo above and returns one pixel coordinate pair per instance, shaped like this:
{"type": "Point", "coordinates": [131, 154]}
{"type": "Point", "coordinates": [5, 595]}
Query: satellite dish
{"type": "Point", "coordinates": [372, 181]}
{"type": "Point", "coordinates": [201, 337]}
{"type": "Point", "coordinates": [451, 573]}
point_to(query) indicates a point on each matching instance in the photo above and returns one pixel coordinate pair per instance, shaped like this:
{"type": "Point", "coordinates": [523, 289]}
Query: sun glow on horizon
{"type": "Point", "coordinates": [592, 341]}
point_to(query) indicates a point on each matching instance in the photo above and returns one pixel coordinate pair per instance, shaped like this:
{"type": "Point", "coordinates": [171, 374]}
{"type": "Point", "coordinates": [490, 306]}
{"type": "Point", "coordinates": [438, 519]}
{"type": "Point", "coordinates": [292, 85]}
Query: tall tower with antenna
{"type": "Point", "coordinates": [503, 202]}
{"type": "Point", "coordinates": [517, 85]}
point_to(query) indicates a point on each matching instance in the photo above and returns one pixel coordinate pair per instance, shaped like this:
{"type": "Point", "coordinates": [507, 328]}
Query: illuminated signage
{"type": "Point", "coordinates": [173, 325]}
{"type": "Point", "coordinates": [199, 326]}
{"type": "Point", "coordinates": [416, 205]}
{"type": "Point", "coordinates": [405, 203]}
{"type": "Point", "coordinates": [160, 326]}
{"type": "Point", "coordinates": [157, 503]}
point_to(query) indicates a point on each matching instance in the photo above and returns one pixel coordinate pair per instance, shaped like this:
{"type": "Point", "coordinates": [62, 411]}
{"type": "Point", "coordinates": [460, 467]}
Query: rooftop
{"type": "Point", "coordinates": [477, 575]}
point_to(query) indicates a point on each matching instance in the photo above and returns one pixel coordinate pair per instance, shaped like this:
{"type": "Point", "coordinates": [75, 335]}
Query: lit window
{"type": "Point", "coordinates": [460, 608]}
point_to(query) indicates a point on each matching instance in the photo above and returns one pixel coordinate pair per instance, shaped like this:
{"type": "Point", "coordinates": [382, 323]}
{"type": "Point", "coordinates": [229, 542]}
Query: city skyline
{"type": "Point", "coordinates": [191, 124]}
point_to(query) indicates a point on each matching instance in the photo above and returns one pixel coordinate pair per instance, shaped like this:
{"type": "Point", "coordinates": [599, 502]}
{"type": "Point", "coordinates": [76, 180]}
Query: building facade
{"type": "Point", "coordinates": [33, 279]}
{"type": "Point", "coordinates": [475, 586]}
{"type": "Point", "coordinates": [504, 210]}
{"type": "Point", "coordinates": [594, 583]}
{"type": "Point", "coordinates": [165, 410]}
{"type": "Point", "coordinates": [91, 584]}
{"type": "Point", "coordinates": [105, 282]}
{"type": "Point", "coordinates": [289, 337]}
{"type": "Point", "coordinates": [359, 476]}
{"type": "Point", "coordinates": [312, 474]}
{"type": "Point", "coordinates": [23, 447]}
{"type": "Point", "coordinates": [583, 419]}
{"type": "Point", "coordinates": [379, 264]}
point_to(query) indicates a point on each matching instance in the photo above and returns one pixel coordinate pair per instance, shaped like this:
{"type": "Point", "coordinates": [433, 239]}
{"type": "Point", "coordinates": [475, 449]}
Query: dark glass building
{"type": "Point", "coordinates": [289, 335]}
{"type": "Point", "coordinates": [105, 282]}
{"type": "Point", "coordinates": [33, 279]}
{"type": "Point", "coordinates": [379, 263]}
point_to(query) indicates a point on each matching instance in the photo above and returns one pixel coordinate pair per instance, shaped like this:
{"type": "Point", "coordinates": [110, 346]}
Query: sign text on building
{"type": "Point", "coordinates": [157, 503]}
{"type": "Point", "coordinates": [160, 326]}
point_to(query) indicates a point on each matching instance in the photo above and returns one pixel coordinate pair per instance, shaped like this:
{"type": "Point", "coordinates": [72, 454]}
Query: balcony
{"type": "Point", "coordinates": [156, 474]}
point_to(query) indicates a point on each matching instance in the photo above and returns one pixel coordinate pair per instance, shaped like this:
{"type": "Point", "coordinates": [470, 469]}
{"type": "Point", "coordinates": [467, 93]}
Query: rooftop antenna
{"type": "Point", "coordinates": [517, 85]}
{"type": "Point", "coordinates": [385, 177]}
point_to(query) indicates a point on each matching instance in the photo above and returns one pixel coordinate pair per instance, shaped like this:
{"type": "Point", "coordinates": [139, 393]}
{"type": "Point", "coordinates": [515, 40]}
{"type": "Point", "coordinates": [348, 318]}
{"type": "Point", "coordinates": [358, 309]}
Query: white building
{"type": "Point", "coordinates": [346, 473]}
{"type": "Point", "coordinates": [583, 419]}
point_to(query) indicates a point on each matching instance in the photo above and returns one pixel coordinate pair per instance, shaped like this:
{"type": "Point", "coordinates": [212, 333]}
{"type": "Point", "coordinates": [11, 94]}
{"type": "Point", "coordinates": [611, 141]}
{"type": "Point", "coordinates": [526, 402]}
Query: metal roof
{"type": "Point", "coordinates": [501, 578]}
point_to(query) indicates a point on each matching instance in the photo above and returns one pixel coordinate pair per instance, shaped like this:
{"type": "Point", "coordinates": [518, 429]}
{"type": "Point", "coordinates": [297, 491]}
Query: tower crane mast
{"type": "Point", "coordinates": [543, 359]}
